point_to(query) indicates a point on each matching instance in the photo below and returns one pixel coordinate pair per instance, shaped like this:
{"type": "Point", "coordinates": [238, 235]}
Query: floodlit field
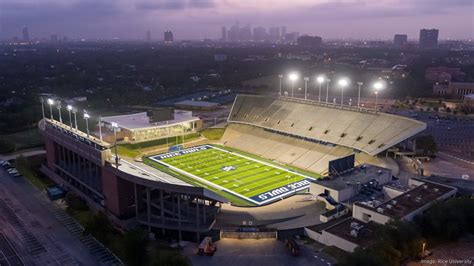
{"type": "Point", "coordinates": [248, 178]}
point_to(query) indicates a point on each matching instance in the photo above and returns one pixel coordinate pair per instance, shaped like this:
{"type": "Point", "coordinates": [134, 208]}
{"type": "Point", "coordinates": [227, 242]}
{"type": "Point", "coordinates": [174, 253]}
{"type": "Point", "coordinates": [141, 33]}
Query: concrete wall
{"type": "Point", "coordinates": [366, 215]}
{"type": "Point", "coordinates": [329, 239]}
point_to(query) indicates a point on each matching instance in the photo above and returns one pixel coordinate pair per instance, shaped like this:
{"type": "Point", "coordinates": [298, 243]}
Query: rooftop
{"type": "Point", "coordinates": [365, 231]}
{"type": "Point", "coordinates": [360, 175]}
{"type": "Point", "coordinates": [196, 103]}
{"type": "Point", "coordinates": [141, 120]}
{"type": "Point", "coordinates": [406, 203]}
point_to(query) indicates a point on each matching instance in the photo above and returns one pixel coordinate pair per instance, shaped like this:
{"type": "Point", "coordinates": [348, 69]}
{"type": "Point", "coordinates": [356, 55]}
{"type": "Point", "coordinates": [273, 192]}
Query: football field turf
{"type": "Point", "coordinates": [248, 178]}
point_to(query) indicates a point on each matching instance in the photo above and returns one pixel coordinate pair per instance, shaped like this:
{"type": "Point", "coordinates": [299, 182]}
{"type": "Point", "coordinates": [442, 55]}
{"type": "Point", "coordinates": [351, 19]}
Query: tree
{"type": "Point", "coordinates": [427, 143]}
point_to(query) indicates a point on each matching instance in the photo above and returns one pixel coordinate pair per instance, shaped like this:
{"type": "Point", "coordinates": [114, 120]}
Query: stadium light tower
{"type": "Point", "coordinates": [358, 98]}
{"type": "Point", "coordinates": [86, 117]}
{"type": "Point", "coordinates": [377, 86]}
{"type": "Point", "coordinates": [327, 91]}
{"type": "Point", "coordinates": [280, 77]}
{"type": "Point", "coordinates": [100, 128]}
{"type": "Point", "coordinates": [343, 83]}
{"type": "Point", "coordinates": [115, 127]}
{"type": "Point", "coordinates": [69, 109]}
{"type": "Point", "coordinates": [293, 77]}
{"type": "Point", "coordinates": [42, 106]}
{"type": "Point", "coordinates": [305, 87]}
{"type": "Point", "coordinates": [74, 111]}
{"type": "Point", "coordinates": [320, 80]}
{"type": "Point", "coordinates": [51, 102]}
{"type": "Point", "coordinates": [59, 110]}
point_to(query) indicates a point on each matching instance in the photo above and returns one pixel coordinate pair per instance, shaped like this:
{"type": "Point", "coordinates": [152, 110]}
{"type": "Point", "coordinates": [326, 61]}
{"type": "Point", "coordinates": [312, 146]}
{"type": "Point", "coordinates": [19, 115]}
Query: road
{"type": "Point", "coordinates": [27, 153]}
{"type": "Point", "coordinates": [26, 218]}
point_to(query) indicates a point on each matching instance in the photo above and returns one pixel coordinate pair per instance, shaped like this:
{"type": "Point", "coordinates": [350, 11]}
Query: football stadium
{"type": "Point", "coordinates": [281, 164]}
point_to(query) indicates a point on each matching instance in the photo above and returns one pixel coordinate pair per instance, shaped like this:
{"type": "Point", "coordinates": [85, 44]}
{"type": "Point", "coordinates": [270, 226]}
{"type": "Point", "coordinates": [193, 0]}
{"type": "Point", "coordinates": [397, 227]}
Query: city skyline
{"type": "Point", "coordinates": [198, 19]}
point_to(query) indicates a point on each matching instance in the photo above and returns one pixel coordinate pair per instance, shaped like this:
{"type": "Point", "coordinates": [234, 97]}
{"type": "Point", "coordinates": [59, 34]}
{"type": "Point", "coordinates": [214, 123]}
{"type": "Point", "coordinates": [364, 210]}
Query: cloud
{"type": "Point", "coordinates": [174, 4]}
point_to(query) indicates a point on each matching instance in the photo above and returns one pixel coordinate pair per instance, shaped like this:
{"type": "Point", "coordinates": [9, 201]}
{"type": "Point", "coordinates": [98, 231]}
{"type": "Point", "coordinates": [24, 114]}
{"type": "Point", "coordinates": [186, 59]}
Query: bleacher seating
{"type": "Point", "coordinates": [365, 131]}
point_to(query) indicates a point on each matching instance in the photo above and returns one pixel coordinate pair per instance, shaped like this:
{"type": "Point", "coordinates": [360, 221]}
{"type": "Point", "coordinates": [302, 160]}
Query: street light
{"type": "Point", "coordinates": [377, 86]}
{"type": "Point", "coordinates": [293, 77]}
{"type": "Point", "coordinates": [51, 102]}
{"type": "Point", "coordinates": [86, 117]}
{"type": "Point", "coordinates": [69, 109]}
{"type": "Point", "coordinates": [280, 76]}
{"type": "Point", "coordinates": [115, 127]}
{"type": "Point", "coordinates": [305, 87]}
{"type": "Point", "coordinates": [327, 91]}
{"type": "Point", "coordinates": [59, 110]}
{"type": "Point", "coordinates": [358, 99]}
{"type": "Point", "coordinates": [320, 80]}
{"type": "Point", "coordinates": [342, 82]}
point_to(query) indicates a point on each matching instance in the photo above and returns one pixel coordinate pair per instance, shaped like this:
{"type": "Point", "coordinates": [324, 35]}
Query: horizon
{"type": "Point", "coordinates": [203, 19]}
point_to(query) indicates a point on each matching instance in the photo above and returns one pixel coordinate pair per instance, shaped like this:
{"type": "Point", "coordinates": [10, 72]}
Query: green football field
{"type": "Point", "coordinates": [248, 178]}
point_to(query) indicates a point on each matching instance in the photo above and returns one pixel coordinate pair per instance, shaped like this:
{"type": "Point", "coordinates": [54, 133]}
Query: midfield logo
{"type": "Point", "coordinates": [228, 168]}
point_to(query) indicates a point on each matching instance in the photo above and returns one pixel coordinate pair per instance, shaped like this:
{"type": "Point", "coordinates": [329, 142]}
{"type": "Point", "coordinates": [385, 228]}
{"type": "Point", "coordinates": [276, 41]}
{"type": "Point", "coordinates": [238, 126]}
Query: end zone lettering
{"type": "Point", "coordinates": [282, 190]}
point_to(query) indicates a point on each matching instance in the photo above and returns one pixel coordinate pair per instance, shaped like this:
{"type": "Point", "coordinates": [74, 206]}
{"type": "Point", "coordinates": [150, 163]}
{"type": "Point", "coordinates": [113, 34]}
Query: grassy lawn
{"type": "Point", "coordinates": [29, 168]}
{"type": "Point", "coordinates": [213, 133]}
{"type": "Point", "coordinates": [231, 172]}
{"type": "Point", "coordinates": [21, 140]}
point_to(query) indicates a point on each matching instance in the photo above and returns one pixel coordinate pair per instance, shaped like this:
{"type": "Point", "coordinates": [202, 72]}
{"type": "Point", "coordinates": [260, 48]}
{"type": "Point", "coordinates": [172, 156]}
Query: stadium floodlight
{"type": "Point", "coordinates": [305, 87]}
{"type": "Point", "coordinates": [51, 102]}
{"type": "Point", "coordinates": [320, 79]}
{"type": "Point", "coordinates": [358, 98]}
{"type": "Point", "coordinates": [343, 82]}
{"type": "Point", "coordinates": [280, 76]}
{"type": "Point", "coordinates": [69, 109]}
{"type": "Point", "coordinates": [115, 127]}
{"type": "Point", "coordinates": [293, 77]}
{"type": "Point", "coordinates": [327, 91]}
{"type": "Point", "coordinates": [59, 110]}
{"type": "Point", "coordinates": [377, 86]}
{"type": "Point", "coordinates": [86, 117]}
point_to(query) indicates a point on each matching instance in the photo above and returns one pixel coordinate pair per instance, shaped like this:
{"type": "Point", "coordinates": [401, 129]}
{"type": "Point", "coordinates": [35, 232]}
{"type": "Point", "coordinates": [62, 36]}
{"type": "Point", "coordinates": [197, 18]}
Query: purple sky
{"type": "Point", "coordinates": [192, 19]}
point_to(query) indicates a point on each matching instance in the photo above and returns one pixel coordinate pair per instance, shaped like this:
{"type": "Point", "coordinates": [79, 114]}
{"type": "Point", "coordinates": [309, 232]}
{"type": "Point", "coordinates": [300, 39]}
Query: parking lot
{"type": "Point", "coordinates": [27, 220]}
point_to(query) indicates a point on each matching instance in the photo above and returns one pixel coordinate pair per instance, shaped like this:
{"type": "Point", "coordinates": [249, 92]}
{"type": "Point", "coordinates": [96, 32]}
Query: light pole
{"type": "Point", "coordinates": [358, 99]}
{"type": "Point", "coordinates": [327, 91]}
{"type": "Point", "coordinates": [51, 102]}
{"type": "Point", "coordinates": [69, 109]}
{"type": "Point", "coordinates": [115, 127]}
{"type": "Point", "coordinates": [100, 128]}
{"type": "Point", "coordinates": [320, 81]}
{"type": "Point", "coordinates": [74, 111]}
{"type": "Point", "coordinates": [280, 76]}
{"type": "Point", "coordinates": [86, 117]}
{"type": "Point", "coordinates": [293, 77]}
{"type": "Point", "coordinates": [305, 87]}
{"type": "Point", "coordinates": [342, 83]}
{"type": "Point", "coordinates": [59, 110]}
{"type": "Point", "coordinates": [377, 86]}
{"type": "Point", "coordinates": [42, 106]}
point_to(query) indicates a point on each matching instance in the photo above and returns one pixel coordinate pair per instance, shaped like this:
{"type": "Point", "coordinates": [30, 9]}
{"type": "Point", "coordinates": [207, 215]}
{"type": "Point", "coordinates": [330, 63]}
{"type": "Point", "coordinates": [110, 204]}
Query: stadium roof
{"type": "Point", "coordinates": [141, 120]}
{"type": "Point", "coordinates": [363, 130]}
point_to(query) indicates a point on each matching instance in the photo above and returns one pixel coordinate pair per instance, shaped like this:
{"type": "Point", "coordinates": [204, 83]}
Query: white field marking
{"type": "Point", "coordinates": [265, 163]}
{"type": "Point", "coordinates": [235, 193]}
{"type": "Point", "coordinates": [206, 182]}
